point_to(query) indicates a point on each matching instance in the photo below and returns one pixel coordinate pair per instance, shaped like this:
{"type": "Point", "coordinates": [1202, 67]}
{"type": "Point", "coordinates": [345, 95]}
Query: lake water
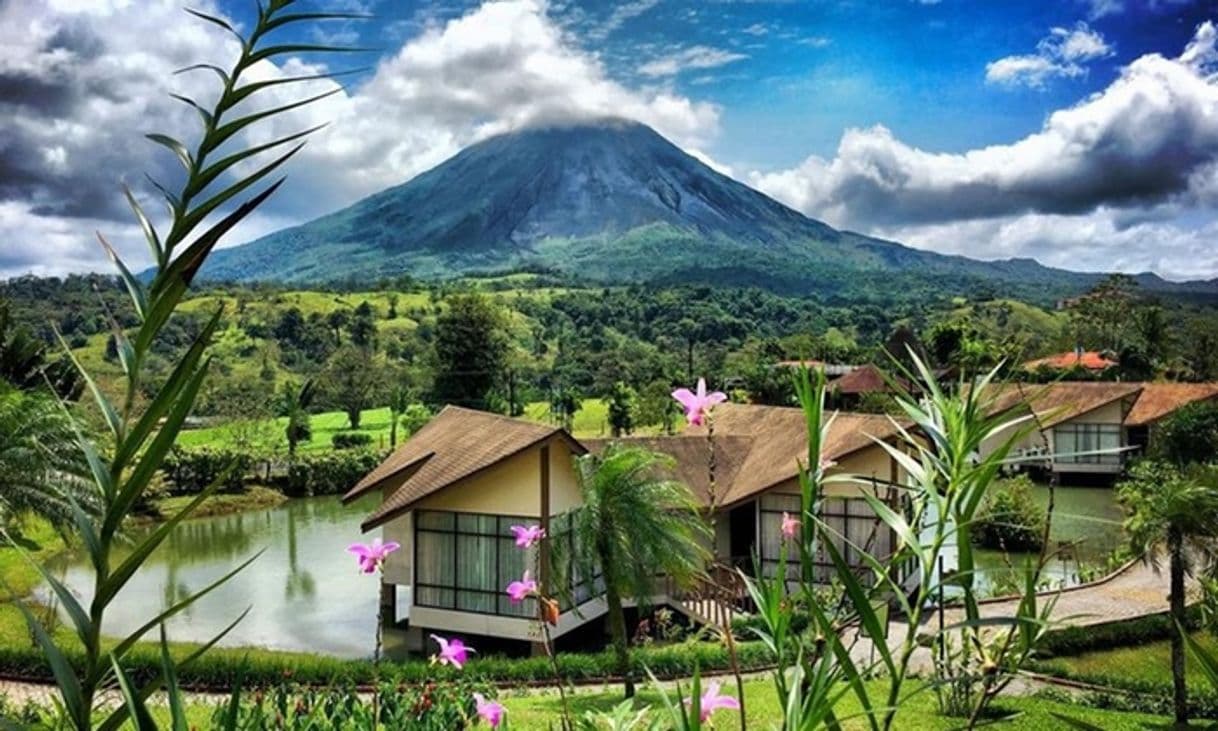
{"type": "Point", "coordinates": [1088, 516]}
{"type": "Point", "coordinates": [304, 592]}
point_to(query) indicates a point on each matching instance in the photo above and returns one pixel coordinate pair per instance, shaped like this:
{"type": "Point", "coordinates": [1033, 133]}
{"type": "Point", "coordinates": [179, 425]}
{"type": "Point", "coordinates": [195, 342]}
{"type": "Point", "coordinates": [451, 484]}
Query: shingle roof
{"type": "Point", "coordinates": [1089, 360]}
{"type": "Point", "coordinates": [757, 447]}
{"type": "Point", "coordinates": [455, 444]}
{"type": "Point", "coordinates": [864, 379]}
{"type": "Point", "coordinates": [1157, 400]}
{"type": "Point", "coordinates": [1054, 403]}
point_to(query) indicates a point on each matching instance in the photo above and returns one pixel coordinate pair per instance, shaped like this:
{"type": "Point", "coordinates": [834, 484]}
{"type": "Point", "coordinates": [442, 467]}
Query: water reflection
{"type": "Point", "coordinates": [304, 591]}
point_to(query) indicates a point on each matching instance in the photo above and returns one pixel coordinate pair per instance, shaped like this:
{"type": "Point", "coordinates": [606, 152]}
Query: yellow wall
{"type": "Point", "coordinates": [564, 486]}
{"type": "Point", "coordinates": [868, 462]}
{"type": "Point", "coordinates": [512, 487]}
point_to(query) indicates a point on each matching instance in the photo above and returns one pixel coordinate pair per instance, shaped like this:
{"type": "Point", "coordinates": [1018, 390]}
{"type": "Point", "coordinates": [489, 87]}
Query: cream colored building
{"type": "Point", "coordinates": [450, 494]}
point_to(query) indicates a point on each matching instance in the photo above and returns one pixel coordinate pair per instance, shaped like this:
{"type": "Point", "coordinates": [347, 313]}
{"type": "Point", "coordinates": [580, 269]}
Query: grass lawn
{"type": "Point", "coordinates": [17, 577]}
{"type": "Point", "coordinates": [255, 497]}
{"type": "Point", "coordinates": [1144, 665]}
{"type": "Point", "coordinates": [590, 421]}
{"type": "Point", "coordinates": [536, 711]}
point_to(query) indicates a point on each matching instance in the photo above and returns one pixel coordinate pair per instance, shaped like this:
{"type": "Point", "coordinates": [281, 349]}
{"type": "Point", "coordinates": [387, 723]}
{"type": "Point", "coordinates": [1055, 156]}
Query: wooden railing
{"type": "Point", "coordinates": [716, 599]}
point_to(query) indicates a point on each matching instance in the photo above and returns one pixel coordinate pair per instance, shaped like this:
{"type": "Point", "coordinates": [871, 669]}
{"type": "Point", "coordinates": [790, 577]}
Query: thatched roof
{"type": "Point", "coordinates": [1157, 400]}
{"type": "Point", "coordinates": [1054, 403]}
{"type": "Point", "coordinates": [757, 447]}
{"type": "Point", "coordinates": [454, 445]}
{"type": "Point", "coordinates": [864, 379]}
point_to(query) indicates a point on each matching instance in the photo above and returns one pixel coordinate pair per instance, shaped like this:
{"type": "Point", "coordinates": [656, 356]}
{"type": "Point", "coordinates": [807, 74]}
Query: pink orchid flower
{"type": "Point", "coordinates": [518, 590]}
{"type": "Point", "coordinates": [489, 711]}
{"type": "Point", "coordinates": [372, 556]}
{"type": "Point", "coordinates": [698, 405]}
{"type": "Point", "coordinates": [527, 536]}
{"type": "Point", "coordinates": [712, 701]}
{"type": "Point", "coordinates": [452, 652]}
{"type": "Point", "coordinates": [790, 526]}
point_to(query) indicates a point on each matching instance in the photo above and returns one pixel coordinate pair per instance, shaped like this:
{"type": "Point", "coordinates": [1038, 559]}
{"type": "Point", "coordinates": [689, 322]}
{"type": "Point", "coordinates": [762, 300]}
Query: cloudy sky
{"type": "Point", "coordinates": [1082, 133]}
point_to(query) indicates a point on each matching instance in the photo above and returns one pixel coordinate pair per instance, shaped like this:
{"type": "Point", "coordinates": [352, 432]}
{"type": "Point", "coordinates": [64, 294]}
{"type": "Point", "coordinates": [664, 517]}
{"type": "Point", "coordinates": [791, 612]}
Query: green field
{"type": "Point", "coordinates": [590, 421]}
{"type": "Point", "coordinates": [1137, 666]}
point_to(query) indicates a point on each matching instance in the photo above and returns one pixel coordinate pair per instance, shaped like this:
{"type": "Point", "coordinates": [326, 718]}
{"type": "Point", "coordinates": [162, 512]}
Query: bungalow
{"type": "Point", "coordinates": [1080, 425]}
{"type": "Point", "coordinates": [1159, 400]}
{"type": "Point", "coordinates": [450, 494]}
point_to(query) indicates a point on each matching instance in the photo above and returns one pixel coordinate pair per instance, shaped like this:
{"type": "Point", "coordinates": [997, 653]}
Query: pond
{"type": "Point", "coordinates": [1088, 517]}
{"type": "Point", "coordinates": [304, 591]}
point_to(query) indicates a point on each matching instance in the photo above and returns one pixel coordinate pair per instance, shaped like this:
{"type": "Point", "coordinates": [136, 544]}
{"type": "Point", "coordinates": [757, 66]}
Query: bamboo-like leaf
{"type": "Point", "coordinates": [253, 87]}
{"type": "Point", "coordinates": [228, 129]}
{"type": "Point", "coordinates": [201, 211]}
{"type": "Point", "coordinates": [863, 608]}
{"type": "Point", "coordinates": [271, 51]}
{"type": "Point", "coordinates": [168, 392]}
{"type": "Point", "coordinates": [174, 202]}
{"type": "Point", "coordinates": [138, 298]}
{"type": "Point", "coordinates": [154, 455]}
{"type": "Point", "coordinates": [173, 691]}
{"type": "Point", "coordinates": [893, 520]}
{"type": "Point", "coordinates": [216, 21]}
{"type": "Point", "coordinates": [150, 235]}
{"type": "Point", "coordinates": [286, 18]}
{"type": "Point", "coordinates": [205, 115]}
{"type": "Point", "coordinates": [177, 148]}
{"type": "Point", "coordinates": [80, 619]}
{"type": "Point", "coordinates": [103, 403]}
{"type": "Point", "coordinates": [119, 717]}
{"type": "Point", "coordinates": [211, 172]}
{"type": "Point", "coordinates": [223, 74]}
{"type": "Point", "coordinates": [185, 267]}
{"type": "Point", "coordinates": [138, 711]}
{"type": "Point", "coordinates": [69, 685]}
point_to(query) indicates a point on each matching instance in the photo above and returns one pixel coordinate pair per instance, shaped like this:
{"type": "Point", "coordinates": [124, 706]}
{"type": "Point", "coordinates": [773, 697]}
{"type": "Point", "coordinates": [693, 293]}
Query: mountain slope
{"type": "Point", "coordinates": [610, 201]}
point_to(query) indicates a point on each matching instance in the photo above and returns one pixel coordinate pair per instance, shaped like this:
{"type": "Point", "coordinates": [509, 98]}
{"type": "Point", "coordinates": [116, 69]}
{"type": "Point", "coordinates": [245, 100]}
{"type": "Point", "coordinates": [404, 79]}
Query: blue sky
{"type": "Point", "coordinates": [1083, 133]}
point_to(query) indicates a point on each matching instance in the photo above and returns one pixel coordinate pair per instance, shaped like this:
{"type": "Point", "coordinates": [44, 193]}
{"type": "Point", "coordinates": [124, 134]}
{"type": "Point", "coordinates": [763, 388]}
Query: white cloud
{"type": "Point", "coordinates": [1062, 53]}
{"type": "Point", "coordinates": [694, 57]}
{"type": "Point", "coordinates": [1147, 143]}
{"type": "Point", "coordinates": [76, 91]}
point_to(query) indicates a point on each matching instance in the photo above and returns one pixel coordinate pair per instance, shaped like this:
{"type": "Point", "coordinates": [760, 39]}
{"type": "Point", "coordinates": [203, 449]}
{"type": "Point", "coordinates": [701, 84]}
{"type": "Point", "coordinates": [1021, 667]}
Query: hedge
{"type": "Point", "coordinates": [351, 439]}
{"type": "Point", "coordinates": [328, 474]}
{"type": "Point", "coordinates": [220, 668]}
{"type": "Point", "coordinates": [1152, 628]}
{"type": "Point", "coordinates": [193, 470]}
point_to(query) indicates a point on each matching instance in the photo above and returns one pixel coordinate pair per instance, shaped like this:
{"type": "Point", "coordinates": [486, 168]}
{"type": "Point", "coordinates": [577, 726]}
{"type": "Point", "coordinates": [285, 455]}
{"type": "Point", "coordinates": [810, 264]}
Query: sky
{"type": "Point", "coordinates": [1080, 133]}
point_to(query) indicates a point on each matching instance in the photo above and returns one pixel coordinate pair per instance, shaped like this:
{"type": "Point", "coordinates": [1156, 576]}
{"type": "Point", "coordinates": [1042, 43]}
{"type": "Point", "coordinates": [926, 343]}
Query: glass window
{"type": "Point", "coordinates": [464, 561]}
{"type": "Point", "coordinates": [1081, 443]}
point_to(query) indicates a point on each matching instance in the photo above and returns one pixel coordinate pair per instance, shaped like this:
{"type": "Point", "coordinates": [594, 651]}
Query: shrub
{"type": "Point", "coordinates": [1189, 436]}
{"type": "Point", "coordinates": [328, 474]}
{"type": "Point", "coordinates": [1011, 519]}
{"type": "Point", "coordinates": [351, 439]}
{"type": "Point", "coordinates": [193, 470]}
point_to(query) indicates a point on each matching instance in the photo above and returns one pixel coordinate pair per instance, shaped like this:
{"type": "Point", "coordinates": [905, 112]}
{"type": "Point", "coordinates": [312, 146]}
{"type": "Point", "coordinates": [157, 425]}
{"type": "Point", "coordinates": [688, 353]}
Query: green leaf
{"type": "Point", "coordinates": [150, 235]}
{"type": "Point", "coordinates": [65, 677]}
{"type": "Point", "coordinates": [253, 87]}
{"type": "Point", "coordinates": [177, 148]}
{"type": "Point", "coordinates": [138, 298]}
{"type": "Point", "coordinates": [270, 51]}
{"type": "Point", "coordinates": [223, 74]}
{"type": "Point", "coordinates": [281, 20]}
{"type": "Point", "coordinates": [216, 21]}
{"type": "Point", "coordinates": [136, 708]}
{"type": "Point", "coordinates": [1206, 662]}
{"type": "Point", "coordinates": [863, 608]}
{"type": "Point", "coordinates": [228, 129]}
{"type": "Point", "coordinates": [103, 404]}
{"type": "Point", "coordinates": [168, 392]}
{"type": "Point", "coordinates": [211, 172]}
{"type": "Point", "coordinates": [205, 115]}
{"type": "Point", "coordinates": [173, 691]}
{"type": "Point", "coordinates": [898, 524]}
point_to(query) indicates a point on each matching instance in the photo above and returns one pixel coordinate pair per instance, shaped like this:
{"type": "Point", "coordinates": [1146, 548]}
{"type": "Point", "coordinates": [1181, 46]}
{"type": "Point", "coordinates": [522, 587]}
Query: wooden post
{"type": "Point", "coordinates": [544, 558]}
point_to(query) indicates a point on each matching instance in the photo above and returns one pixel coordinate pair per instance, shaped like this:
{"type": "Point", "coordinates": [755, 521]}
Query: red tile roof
{"type": "Point", "coordinates": [1090, 360]}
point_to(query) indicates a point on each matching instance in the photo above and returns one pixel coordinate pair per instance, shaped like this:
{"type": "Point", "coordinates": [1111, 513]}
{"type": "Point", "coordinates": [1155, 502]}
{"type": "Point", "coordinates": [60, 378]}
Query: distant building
{"type": "Point", "coordinates": [1087, 360]}
{"type": "Point", "coordinates": [830, 369]}
{"type": "Point", "coordinates": [1158, 401]}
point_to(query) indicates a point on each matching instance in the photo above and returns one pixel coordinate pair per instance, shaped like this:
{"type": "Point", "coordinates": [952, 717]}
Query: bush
{"type": "Point", "coordinates": [194, 470]}
{"type": "Point", "coordinates": [1140, 631]}
{"type": "Point", "coordinates": [351, 439]}
{"type": "Point", "coordinates": [1011, 520]}
{"type": "Point", "coordinates": [1189, 436]}
{"type": "Point", "coordinates": [328, 474]}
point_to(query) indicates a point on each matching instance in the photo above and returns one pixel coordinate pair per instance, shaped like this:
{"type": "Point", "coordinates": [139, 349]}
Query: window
{"type": "Point", "coordinates": [1087, 444]}
{"type": "Point", "coordinates": [852, 525]}
{"type": "Point", "coordinates": [464, 561]}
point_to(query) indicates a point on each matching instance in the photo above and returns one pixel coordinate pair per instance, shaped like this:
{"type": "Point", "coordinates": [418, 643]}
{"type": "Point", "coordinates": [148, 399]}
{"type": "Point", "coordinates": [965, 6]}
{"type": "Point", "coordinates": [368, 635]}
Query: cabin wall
{"type": "Point", "coordinates": [511, 487]}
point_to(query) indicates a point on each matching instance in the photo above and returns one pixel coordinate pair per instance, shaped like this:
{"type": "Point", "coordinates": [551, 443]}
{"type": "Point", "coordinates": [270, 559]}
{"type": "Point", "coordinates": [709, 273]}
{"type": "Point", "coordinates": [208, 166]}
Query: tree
{"type": "Point", "coordinates": [1169, 509]}
{"type": "Point", "coordinates": [413, 418]}
{"type": "Point", "coordinates": [634, 524]}
{"type": "Point", "coordinates": [23, 361]}
{"type": "Point", "coordinates": [363, 326]}
{"type": "Point", "coordinates": [564, 403]}
{"type": "Point", "coordinates": [399, 401]}
{"type": "Point", "coordinates": [471, 348]}
{"type": "Point", "coordinates": [656, 406]}
{"type": "Point", "coordinates": [41, 469]}
{"type": "Point", "coordinates": [294, 403]}
{"type": "Point", "coordinates": [352, 380]}
{"type": "Point", "coordinates": [621, 406]}
{"type": "Point", "coordinates": [337, 321]}
{"type": "Point", "coordinates": [1189, 436]}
